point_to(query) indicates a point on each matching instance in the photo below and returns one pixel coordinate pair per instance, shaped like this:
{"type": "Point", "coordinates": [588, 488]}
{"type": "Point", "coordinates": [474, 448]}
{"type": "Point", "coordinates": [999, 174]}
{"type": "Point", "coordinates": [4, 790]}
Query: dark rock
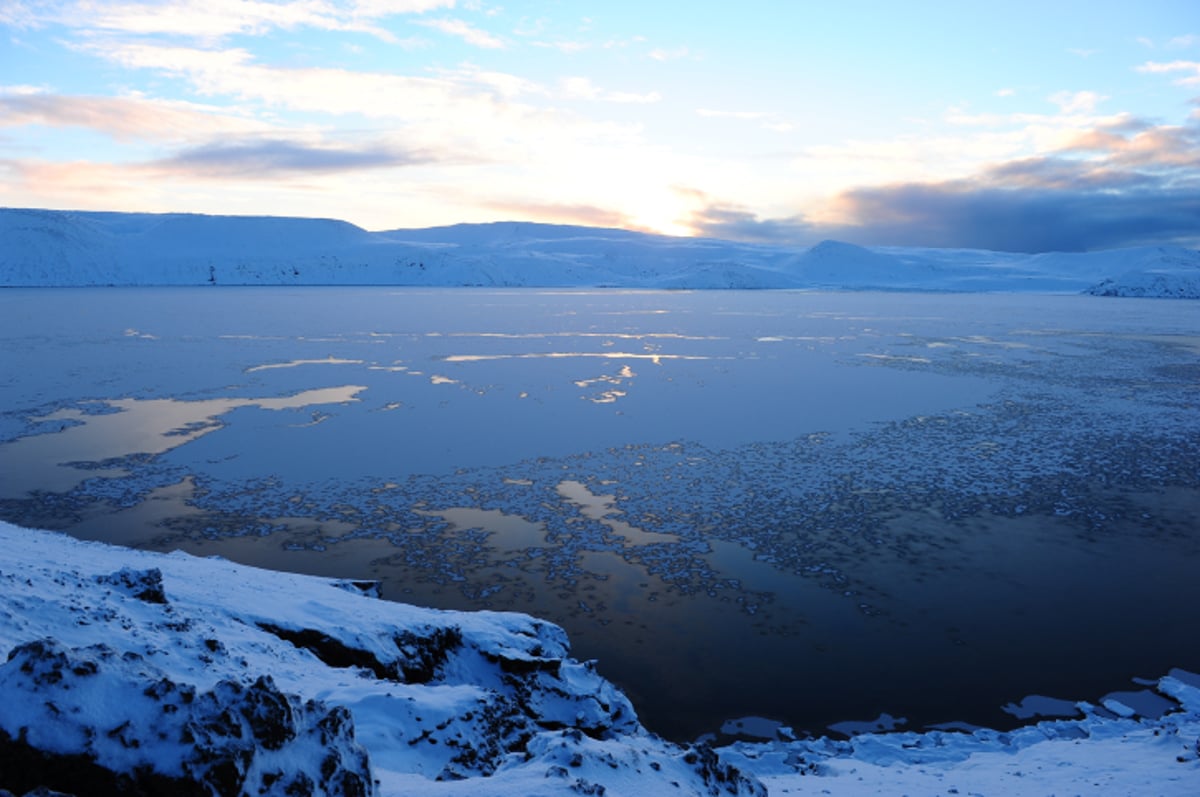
{"type": "Point", "coordinates": [424, 655]}
{"type": "Point", "coordinates": [145, 585]}
{"type": "Point", "coordinates": [332, 652]}
{"type": "Point", "coordinates": [719, 777]}
{"type": "Point", "coordinates": [370, 589]}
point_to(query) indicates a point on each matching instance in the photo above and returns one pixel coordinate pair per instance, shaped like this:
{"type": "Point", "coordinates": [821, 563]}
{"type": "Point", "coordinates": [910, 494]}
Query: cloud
{"type": "Point", "coordinates": [217, 19]}
{"type": "Point", "coordinates": [123, 118]}
{"type": "Point", "coordinates": [18, 15]}
{"type": "Point", "coordinates": [1126, 183]}
{"type": "Point", "coordinates": [321, 132]}
{"type": "Point", "coordinates": [672, 54]}
{"type": "Point", "coordinates": [744, 115]}
{"type": "Point", "coordinates": [1144, 146]}
{"type": "Point", "coordinates": [466, 32]}
{"type": "Point", "coordinates": [78, 178]}
{"type": "Point", "coordinates": [1078, 102]}
{"type": "Point", "coordinates": [565, 46]}
{"type": "Point", "coordinates": [561, 213]}
{"type": "Point", "coordinates": [263, 160]}
{"type": "Point", "coordinates": [468, 111]}
{"type": "Point", "coordinates": [1191, 70]}
{"type": "Point", "coordinates": [267, 158]}
{"type": "Point", "coordinates": [1023, 220]}
{"type": "Point", "coordinates": [766, 119]}
{"type": "Point", "coordinates": [736, 223]}
{"type": "Point", "coordinates": [582, 88]}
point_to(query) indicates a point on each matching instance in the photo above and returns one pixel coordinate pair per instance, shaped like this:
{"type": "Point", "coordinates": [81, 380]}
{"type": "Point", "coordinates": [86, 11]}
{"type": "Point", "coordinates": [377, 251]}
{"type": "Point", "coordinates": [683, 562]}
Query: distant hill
{"type": "Point", "coordinates": [61, 248]}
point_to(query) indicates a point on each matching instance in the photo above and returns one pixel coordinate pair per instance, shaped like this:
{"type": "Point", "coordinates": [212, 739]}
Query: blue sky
{"type": "Point", "coordinates": [1025, 126]}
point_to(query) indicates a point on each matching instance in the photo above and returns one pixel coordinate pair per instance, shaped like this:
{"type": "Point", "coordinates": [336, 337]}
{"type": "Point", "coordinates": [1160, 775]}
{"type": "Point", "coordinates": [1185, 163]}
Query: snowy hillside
{"type": "Point", "coordinates": [136, 672]}
{"type": "Point", "coordinates": [51, 248]}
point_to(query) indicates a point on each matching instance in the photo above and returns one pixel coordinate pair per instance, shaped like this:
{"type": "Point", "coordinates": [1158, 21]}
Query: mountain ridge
{"type": "Point", "coordinates": [53, 248]}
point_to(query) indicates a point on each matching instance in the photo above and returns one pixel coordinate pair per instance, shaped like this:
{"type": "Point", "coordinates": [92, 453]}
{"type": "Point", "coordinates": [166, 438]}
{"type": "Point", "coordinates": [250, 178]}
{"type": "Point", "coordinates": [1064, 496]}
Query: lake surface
{"type": "Point", "coordinates": [809, 507]}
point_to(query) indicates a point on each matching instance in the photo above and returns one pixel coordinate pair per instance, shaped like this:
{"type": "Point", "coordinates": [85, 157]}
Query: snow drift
{"type": "Point", "coordinates": [54, 248]}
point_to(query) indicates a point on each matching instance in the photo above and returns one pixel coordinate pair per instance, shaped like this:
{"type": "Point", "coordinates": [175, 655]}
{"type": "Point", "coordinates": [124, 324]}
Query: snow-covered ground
{"type": "Point", "coordinates": [127, 669]}
{"type": "Point", "coordinates": [51, 248]}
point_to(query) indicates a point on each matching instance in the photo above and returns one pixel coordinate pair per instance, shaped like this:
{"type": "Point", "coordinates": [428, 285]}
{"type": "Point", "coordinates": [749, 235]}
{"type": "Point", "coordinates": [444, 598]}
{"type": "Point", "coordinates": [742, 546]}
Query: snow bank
{"type": "Point", "coordinates": [52, 248]}
{"type": "Point", "coordinates": [1102, 753]}
{"type": "Point", "coordinates": [137, 672]}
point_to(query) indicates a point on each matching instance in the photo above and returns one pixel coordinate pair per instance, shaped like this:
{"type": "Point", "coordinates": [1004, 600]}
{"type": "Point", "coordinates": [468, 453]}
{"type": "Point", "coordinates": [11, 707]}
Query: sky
{"type": "Point", "coordinates": [1020, 126]}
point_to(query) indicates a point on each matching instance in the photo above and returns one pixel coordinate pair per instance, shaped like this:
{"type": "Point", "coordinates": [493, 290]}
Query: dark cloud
{"type": "Point", "coordinates": [1126, 184]}
{"type": "Point", "coordinates": [1021, 220]}
{"type": "Point", "coordinates": [282, 157]}
{"type": "Point", "coordinates": [737, 224]}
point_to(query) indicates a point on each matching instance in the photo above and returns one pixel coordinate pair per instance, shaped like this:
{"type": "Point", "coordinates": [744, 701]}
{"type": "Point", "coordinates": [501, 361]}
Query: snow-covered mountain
{"type": "Point", "coordinates": [131, 672]}
{"type": "Point", "coordinates": [53, 248]}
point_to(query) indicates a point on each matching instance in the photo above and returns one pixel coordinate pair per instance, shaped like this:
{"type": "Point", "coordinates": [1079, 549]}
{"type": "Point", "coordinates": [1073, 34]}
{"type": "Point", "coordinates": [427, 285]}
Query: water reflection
{"type": "Point", "coordinates": [655, 358]}
{"type": "Point", "coordinates": [509, 533]}
{"type": "Point", "coordinates": [112, 430]}
{"type": "Point", "coordinates": [297, 363]}
{"type": "Point", "coordinates": [602, 508]}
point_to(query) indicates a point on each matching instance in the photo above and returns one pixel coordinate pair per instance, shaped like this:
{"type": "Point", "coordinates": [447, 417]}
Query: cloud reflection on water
{"type": "Point", "coordinates": [63, 460]}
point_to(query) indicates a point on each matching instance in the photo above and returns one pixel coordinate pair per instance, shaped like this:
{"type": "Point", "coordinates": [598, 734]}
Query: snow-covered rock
{"type": "Point", "coordinates": [53, 248]}
{"type": "Point", "coordinates": [95, 720]}
{"type": "Point", "coordinates": [144, 673]}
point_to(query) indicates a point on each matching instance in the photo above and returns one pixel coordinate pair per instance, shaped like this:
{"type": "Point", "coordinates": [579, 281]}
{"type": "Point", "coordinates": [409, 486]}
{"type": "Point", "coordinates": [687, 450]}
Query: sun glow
{"type": "Point", "coordinates": [661, 211]}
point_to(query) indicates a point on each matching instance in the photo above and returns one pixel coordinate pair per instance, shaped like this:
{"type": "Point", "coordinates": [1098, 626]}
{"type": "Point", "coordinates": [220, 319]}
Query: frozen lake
{"type": "Point", "coordinates": [812, 507]}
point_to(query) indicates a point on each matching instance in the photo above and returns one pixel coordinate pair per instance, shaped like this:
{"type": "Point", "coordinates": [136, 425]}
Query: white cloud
{"type": "Point", "coordinates": [582, 88]}
{"type": "Point", "coordinates": [673, 54]}
{"type": "Point", "coordinates": [376, 9]}
{"type": "Point", "coordinates": [504, 84]}
{"type": "Point", "coordinates": [17, 15]}
{"type": "Point", "coordinates": [216, 19]}
{"type": "Point", "coordinates": [567, 47]}
{"type": "Point", "coordinates": [1160, 68]}
{"type": "Point", "coordinates": [767, 120]}
{"type": "Point", "coordinates": [1077, 102]}
{"type": "Point", "coordinates": [465, 116]}
{"type": "Point", "coordinates": [712, 113]}
{"type": "Point", "coordinates": [21, 89]}
{"type": "Point", "coordinates": [123, 118]}
{"type": "Point", "coordinates": [465, 31]}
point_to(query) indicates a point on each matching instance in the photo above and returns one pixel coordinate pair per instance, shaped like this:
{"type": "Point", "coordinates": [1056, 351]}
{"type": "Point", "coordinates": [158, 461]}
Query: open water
{"type": "Point", "coordinates": [808, 507]}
